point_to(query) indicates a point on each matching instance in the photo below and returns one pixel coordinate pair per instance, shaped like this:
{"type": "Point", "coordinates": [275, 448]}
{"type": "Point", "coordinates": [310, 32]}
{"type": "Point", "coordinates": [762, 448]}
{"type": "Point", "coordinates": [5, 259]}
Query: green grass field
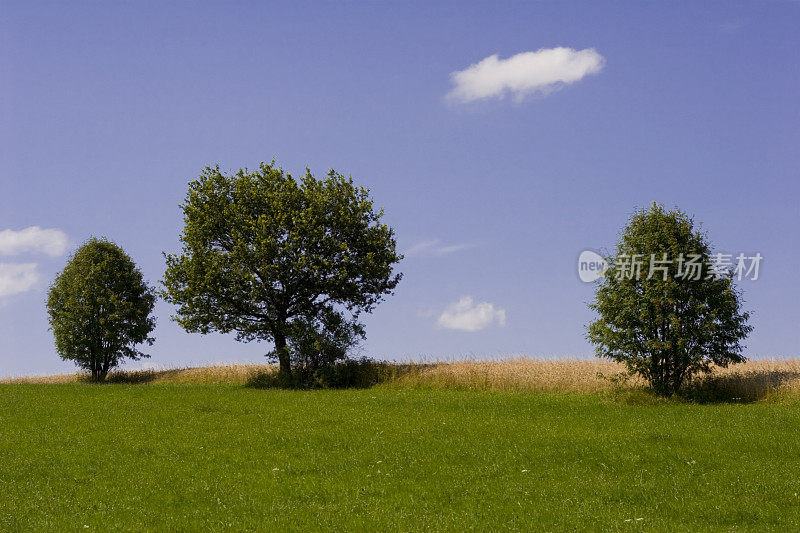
{"type": "Point", "coordinates": [178, 457]}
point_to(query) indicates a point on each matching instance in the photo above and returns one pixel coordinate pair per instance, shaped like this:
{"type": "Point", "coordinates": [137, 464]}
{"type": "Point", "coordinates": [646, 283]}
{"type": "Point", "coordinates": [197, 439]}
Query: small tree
{"type": "Point", "coordinates": [274, 258]}
{"type": "Point", "coordinates": [314, 344]}
{"type": "Point", "coordinates": [670, 321]}
{"type": "Point", "coordinates": [99, 308]}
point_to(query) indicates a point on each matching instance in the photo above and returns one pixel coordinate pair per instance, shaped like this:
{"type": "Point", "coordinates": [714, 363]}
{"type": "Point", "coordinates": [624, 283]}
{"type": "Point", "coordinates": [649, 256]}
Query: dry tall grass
{"type": "Point", "coordinates": [521, 375]}
{"type": "Point", "coordinates": [205, 375]}
{"type": "Point", "coordinates": [764, 380]}
{"type": "Point", "coordinates": [767, 380]}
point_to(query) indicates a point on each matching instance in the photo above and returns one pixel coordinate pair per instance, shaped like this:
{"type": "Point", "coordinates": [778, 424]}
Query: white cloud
{"type": "Point", "coordinates": [466, 315]}
{"type": "Point", "coordinates": [543, 71]}
{"type": "Point", "coordinates": [435, 247]}
{"type": "Point", "coordinates": [52, 242]}
{"type": "Point", "coordinates": [17, 278]}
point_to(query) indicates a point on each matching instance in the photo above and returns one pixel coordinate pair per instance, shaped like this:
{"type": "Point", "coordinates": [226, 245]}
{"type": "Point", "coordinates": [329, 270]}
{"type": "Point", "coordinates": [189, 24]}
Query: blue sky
{"type": "Point", "coordinates": [107, 110]}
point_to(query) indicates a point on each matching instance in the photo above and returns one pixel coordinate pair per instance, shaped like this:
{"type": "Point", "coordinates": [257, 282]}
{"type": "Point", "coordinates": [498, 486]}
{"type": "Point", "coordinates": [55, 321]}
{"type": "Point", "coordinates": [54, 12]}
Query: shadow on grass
{"type": "Point", "coordinates": [354, 374]}
{"type": "Point", "coordinates": [132, 377]}
{"type": "Point", "coordinates": [746, 387]}
{"type": "Point", "coordinates": [749, 387]}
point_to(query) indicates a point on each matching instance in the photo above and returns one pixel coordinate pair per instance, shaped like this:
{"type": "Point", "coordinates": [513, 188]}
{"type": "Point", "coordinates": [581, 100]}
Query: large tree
{"type": "Point", "coordinates": [280, 259]}
{"type": "Point", "coordinates": [99, 308]}
{"type": "Point", "coordinates": [664, 308]}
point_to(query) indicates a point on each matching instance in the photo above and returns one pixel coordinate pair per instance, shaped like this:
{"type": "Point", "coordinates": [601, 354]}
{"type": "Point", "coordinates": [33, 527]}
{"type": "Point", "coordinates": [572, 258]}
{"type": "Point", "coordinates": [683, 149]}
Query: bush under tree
{"type": "Point", "coordinates": [671, 326]}
{"type": "Point", "coordinates": [320, 342]}
{"type": "Point", "coordinates": [99, 308]}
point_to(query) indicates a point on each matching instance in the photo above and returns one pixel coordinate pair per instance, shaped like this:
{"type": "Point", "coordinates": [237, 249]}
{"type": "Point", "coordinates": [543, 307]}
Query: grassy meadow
{"type": "Point", "coordinates": [515, 445]}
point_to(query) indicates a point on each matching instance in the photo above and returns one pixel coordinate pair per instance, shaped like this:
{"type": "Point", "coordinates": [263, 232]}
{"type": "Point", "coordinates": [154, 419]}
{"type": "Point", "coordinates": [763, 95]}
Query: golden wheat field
{"type": "Point", "coordinates": [767, 380]}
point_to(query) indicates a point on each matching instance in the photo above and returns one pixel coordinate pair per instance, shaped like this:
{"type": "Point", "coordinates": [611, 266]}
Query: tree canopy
{"type": "Point", "coordinates": [276, 258]}
{"type": "Point", "coordinates": [664, 309]}
{"type": "Point", "coordinates": [99, 308]}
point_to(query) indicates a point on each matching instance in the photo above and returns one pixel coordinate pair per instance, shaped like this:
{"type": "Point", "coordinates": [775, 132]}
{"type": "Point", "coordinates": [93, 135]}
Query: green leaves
{"type": "Point", "coordinates": [99, 308]}
{"type": "Point", "coordinates": [262, 249]}
{"type": "Point", "coordinates": [667, 328]}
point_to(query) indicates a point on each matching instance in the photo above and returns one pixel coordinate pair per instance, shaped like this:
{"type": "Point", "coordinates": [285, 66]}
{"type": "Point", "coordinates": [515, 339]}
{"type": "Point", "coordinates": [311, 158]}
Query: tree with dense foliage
{"type": "Point", "coordinates": [285, 260]}
{"type": "Point", "coordinates": [664, 310]}
{"type": "Point", "coordinates": [99, 308]}
{"type": "Point", "coordinates": [314, 344]}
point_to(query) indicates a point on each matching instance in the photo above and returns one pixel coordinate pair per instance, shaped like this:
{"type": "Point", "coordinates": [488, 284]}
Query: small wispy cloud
{"type": "Point", "coordinates": [52, 242]}
{"type": "Point", "coordinates": [542, 72]}
{"type": "Point", "coordinates": [731, 26]}
{"type": "Point", "coordinates": [17, 278]}
{"type": "Point", "coordinates": [466, 315]}
{"type": "Point", "coordinates": [435, 247]}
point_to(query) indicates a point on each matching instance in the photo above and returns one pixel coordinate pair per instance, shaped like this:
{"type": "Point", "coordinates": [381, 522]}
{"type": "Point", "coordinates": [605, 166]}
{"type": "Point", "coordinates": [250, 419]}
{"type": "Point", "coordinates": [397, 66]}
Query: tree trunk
{"type": "Point", "coordinates": [282, 350]}
{"type": "Point", "coordinates": [94, 366]}
{"type": "Point", "coordinates": [105, 368]}
{"type": "Point", "coordinates": [661, 379]}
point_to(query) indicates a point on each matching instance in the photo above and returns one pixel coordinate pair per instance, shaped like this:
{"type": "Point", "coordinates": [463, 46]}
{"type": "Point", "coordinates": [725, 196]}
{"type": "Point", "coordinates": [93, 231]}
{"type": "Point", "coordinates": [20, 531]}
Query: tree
{"type": "Point", "coordinates": [280, 259]}
{"type": "Point", "coordinates": [680, 316]}
{"type": "Point", "coordinates": [99, 308]}
{"type": "Point", "coordinates": [314, 344]}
